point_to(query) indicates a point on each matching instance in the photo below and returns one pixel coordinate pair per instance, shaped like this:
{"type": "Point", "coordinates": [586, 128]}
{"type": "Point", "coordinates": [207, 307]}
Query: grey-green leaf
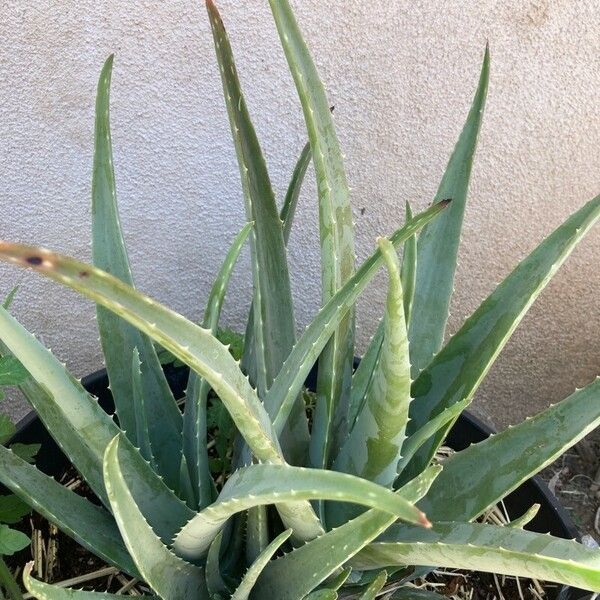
{"type": "Point", "coordinates": [336, 230]}
{"type": "Point", "coordinates": [169, 576]}
{"type": "Point", "coordinates": [467, 486]}
{"type": "Point", "coordinates": [409, 269]}
{"type": "Point", "coordinates": [117, 337]}
{"type": "Point", "coordinates": [458, 369]}
{"type": "Point", "coordinates": [243, 590]}
{"type": "Point", "coordinates": [437, 247]}
{"type": "Point", "coordinates": [372, 450]}
{"type": "Point", "coordinates": [292, 376]}
{"type": "Point", "coordinates": [487, 548]}
{"type": "Point", "coordinates": [194, 417]}
{"type": "Point", "coordinates": [46, 591]}
{"type": "Point", "coordinates": [375, 587]}
{"type": "Point", "coordinates": [302, 570]}
{"type": "Point", "coordinates": [83, 430]}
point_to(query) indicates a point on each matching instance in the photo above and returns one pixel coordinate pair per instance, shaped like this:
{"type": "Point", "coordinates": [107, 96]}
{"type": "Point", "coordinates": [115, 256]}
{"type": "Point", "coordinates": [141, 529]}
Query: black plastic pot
{"type": "Point", "coordinates": [468, 429]}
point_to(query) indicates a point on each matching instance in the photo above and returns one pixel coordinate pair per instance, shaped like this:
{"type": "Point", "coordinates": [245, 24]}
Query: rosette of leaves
{"type": "Point", "coordinates": [352, 504]}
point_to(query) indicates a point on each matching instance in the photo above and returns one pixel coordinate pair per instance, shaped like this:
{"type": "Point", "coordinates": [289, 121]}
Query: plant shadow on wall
{"type": "Point", "coordinates": [360, 501]}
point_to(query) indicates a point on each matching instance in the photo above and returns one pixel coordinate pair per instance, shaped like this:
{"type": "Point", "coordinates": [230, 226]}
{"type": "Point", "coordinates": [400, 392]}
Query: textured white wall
{"type": "Point", "coordinates": [401, 75]}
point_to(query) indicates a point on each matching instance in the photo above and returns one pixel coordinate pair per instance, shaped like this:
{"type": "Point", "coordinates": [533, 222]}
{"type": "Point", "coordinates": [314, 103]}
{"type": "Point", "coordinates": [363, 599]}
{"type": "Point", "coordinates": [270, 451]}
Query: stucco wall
{"type": "Point", "coordinates": [401, 75]}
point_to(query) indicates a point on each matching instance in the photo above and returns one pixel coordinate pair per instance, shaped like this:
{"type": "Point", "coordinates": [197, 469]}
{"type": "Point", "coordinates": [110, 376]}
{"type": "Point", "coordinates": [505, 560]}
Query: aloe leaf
{"type": "Point", "coordinates": [83, 430]}
{"type": "Point", "coordinates": [273, 314]}
{"type": "Point", "coordinates": [437, 247]}
{"type": "Point", "coordinates": [456, 372]}
{"type": "Point", "coordinates": [322, 595]}
{"type": "Point", "coordinates": [10, 298]}
{"type": "Point", "coordinates": [286, 215]}
{"type": "Point", "coordinates": [409, 592]}
{"type": "Point", "coordinates": [526, 517]}
{"type": "Point", "coordinates": [117, 337]}
{"type": "Point", "coordinates": [141, 416]}
{"type": "Point", "coordinates": [269, 484]}
{"type": "Point", "coordinates": [292, 195]}
{"type": "Point", "coordinates": [298, 573]}
{"type": "Point", "coordinates": [336, 232]}
{"type": "Point", "coordinates": [363, 375]}
{"type": "Point", "coordinates": [217, 588]}
{"type": "Point", "coordinates": [372, 450]}
{"type": "Point", "coordinates": [295, 370]}
{"type": "Point", "coordinates": [91, 526]}
{"type": "Point", "coordinates": [487, 548]}
{"type": "Point", "coordinates": [192, 344]}
{"type": "Point", "coordinates": [194, 418]}
{"type": "Point", "coordinates": [525, 449]}
{"type": "Point", "coordinates": [420, 437]}
{"type": "Point", "coordinates": [46, 591]}
{"type": "Point", "coordinates": [409, 269]}
{"type": "Point", "coordinates": [243, 590]}
{"type": "Point", "coordinates": [376, 586]}
{"type": "Point", "coordinates": [169, 576]}
{"type": "Point", "coordinates": [257, 532]}
{"type": "Point", "coordinates": [338, 581]}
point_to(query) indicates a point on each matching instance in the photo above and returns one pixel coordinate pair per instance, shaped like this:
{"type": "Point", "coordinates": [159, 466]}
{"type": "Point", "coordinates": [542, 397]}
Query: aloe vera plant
{"type": "Point", "coordinates": [350, 505]}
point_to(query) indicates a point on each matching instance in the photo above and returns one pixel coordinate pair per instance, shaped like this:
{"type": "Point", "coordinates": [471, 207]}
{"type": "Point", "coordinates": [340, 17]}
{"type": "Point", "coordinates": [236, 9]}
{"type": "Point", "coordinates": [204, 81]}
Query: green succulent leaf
{"type": "Point", "coordinates": [217, 588]}
{"type": "Point", "coordinates": [292, 195]}
{"type": "Point", "coordinates": [409, 269]}
{"type": "Point", "coordinates": [142, 427]}
{"type": "Point", "coordinates": [437, 247]}
{"type": "Point", "coordinates": [298, 573]}
{"type": "Point", "coordinates": [526, 517]}
{"type": "Point", "coordinates": [274, 330]}
{"type": "Point", "coordinates": [118, 338]}
{"type": "Point", "coordinates": [376, 586]}
{"type": "Point", "coordinates": [322, 595]}
{"type": "Point", "coordinates": [372, 450]}
{"type": "Point", "coordinates": [363, 375]}
{"type": "Point", "coordinates": [257, 532]}
{"type": "Point", "coordinates": [297, 366]}
{"type": "Point", "coordinates": [46, 591]}
{"type": "Point", "coordinates": [91, 526]}
{"type": "Point", "coordinates": [269, 484]}
{"type": "Point", "coordinates": [194, 418]}
{"type": "Point", "coordinates": [249, 359]}
{"type": "Point", "coordinates": [456, 372]}
{"type": "Point", "coordinates": [414, 442]}
{"type": "Point", "coordinates": [169, 576]}
{"type": "Point", "coordinates": [83, 430]}
{"type": "Point", "coordinates": [243, 590]}
{"type": "Point", "coordinates": [525, 449]}
{"type": "Point", "coordinates": [10, 298]}
{"type": "Point", "coordinates": [336, 233]}
{"type": "Point", "coordinates": [11, 540]}
{"type": "Point", "coordinates": [487, 548]}
{"type": "Point", "coordinates": [409, 592]}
